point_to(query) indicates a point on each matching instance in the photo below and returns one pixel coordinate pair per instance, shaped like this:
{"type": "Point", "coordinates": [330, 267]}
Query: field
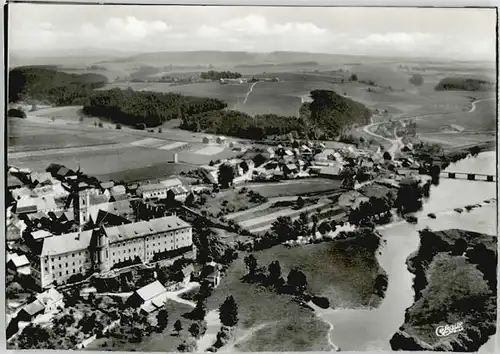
{"type": "Point", "coordinates": [106, 153]}
{"type": "Point", "coordinates": [346, 278]}
{"type": "Point", "coordinates": [262, 308]}
{"type": "Point", "coordinates": [156, 342]}
{"type": "Point", "coordinates": [295, 187]}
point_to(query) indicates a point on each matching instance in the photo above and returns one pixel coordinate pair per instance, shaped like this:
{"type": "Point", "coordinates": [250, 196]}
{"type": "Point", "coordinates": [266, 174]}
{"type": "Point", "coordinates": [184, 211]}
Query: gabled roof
{"type": "Point", "coordinates": [119, 189]}
{"type": "Point", "coordinates": [19, 261]}
{"type": "Point", "coordinates": [151, 187]}
{"type": "Point", "coordinates": [34, 308]}
{"type": "Point", "coordinates": [173, 182]}
{"type": "Point", "coordinates": [21, 192]}
{"type": "Point", "coordinates": [107, 185]}
{"type": "Point", "coordinates": [49, 296]}
{"type": "Point", "coordinates": [187, 270]}
{"type": "Point", "coordinates": [75, 241]}
{"type": "Point", "coordinates": [40, 177]}
{"type": "Point", "coordinates": [95, 199]}
{"type": "Point", "coordinates": [150, 291]}
{"type": "Point", "coordinates": [40, 234]}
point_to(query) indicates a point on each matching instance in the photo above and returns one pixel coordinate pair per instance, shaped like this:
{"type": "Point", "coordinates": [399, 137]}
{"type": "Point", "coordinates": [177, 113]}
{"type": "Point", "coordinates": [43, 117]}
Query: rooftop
{"type": "Point", "coordinates": [151, 187]}
{"type": "Point", "coordinates": [75, 241]}
{"type": "Point", "coordinates": [143, 228]}
{"type": "Point", "coordinates": [151, 291]}
{"type": "Point", "coordinates": [173, 182]}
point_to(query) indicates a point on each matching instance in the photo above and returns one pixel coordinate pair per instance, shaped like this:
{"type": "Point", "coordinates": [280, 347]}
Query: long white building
{"type": "Point", "coordinates": [61, 257]}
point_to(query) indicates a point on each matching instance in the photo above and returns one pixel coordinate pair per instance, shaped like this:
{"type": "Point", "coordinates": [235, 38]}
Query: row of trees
{"type": "Point", "coordinates": [463, 84]}
{"type": "Point", "coordinates": [217, 75]}
{"type": "Point", "coordinates": [146, 108]}
{"type": "Point", "coordinates": [295, 284]}
{"type": "Point", "coordinates": [51, 86]}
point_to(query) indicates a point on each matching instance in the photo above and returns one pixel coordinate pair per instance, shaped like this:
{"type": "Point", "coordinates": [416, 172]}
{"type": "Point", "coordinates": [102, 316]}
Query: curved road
{"type": "Point", "coordinates": [250, 91]}
{"type": "Point", "coordinates": [396, 143]}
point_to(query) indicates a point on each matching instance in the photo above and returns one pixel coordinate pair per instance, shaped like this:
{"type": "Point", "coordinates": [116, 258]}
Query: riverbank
{"type": "Point", "coordinates": [362, 329]}
{"type": "Point", "coordinates": [455, 282]}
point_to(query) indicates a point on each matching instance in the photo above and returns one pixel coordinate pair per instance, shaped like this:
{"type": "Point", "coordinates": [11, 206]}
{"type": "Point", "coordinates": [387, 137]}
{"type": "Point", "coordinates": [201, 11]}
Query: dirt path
{"type": "Point", "coordinates": [231, 347]}
{"type": "Point", "coordinates": [210, 336]}
{"type": "Point", "coordinates": [249, 92]}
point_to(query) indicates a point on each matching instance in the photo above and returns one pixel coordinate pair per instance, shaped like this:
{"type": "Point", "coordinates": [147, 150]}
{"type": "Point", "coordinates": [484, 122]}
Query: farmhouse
{"type": "Point", "coordinates": [221, 140]}
{"type": "Point", "coordinates": [18, 265]}
{"type": "Point", "coordinates": [47, 302]}
{"type": "Point", "coordinates": [148, 298]}
{"type": "Point", "coordinates": [152, 191]}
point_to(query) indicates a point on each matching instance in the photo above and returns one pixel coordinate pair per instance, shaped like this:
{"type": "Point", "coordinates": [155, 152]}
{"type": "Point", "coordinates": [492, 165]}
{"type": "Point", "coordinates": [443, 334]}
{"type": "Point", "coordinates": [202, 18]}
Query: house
{"type": "Point", "coordinates": [211, 274]}
{"type": "Point", "coordinates": [290, 169]}
{"type": "Point", "coordinates": [55, 190]}
{"type": "Point", "coordinates": [180, 193]}
{"type": "Point", "coordinates": [148, 298]}
{"type": "Point", "coordinates": [46, 302]}
{"type": "Point", "coordinates": [32, 205]}
{"type": "Point", "coordinates": [152, 191]}
{"type": "Point", "coordinates": [331, 171]}
{"type": "Point", "coordinates": [306, 150]}
{"type": "Point", "coordinates": [221, 140]}
{"type": "Point", "coordinates": [30, 311]}
{"type": "Point", "coordinates": [19, 193]}
{"type": "Point", "coordinates": [41, 178]}
{"type": "Point", "coordinates": [186, 273]}
{"type": "Point", "coordinates": [171, 183]}
{"type": "Point", "coordinates": [114, 213]}
{"type": "Point", "coordinates": [117, 190]}
{"type": "Point", "coordinates": [18, 265]}
{"type": "Point", "coordinates": [107, 185]}
{"type": "Point", "coordinates": [51, 299]}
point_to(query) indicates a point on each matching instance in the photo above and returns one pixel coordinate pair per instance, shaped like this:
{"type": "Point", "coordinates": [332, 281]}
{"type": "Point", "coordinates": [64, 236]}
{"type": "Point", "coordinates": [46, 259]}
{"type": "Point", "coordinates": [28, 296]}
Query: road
{"type": "Point", "coordinates": [396, 143]}
{"type": "Point", "coordinates": [249, 91]}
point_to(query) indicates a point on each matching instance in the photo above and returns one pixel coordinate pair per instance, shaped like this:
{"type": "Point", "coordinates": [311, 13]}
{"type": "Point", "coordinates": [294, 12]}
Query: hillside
{"type": "Point", "coordinates": [326, 117]}
{"type": "Point", "coordinates": [455, 282]}
{"type": "Point", "coordinates": [234, 58]}
{"type": "Point", "coordinates": [51, 86]}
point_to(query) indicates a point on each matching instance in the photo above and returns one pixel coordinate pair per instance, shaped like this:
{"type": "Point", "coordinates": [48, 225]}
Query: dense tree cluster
{"type": "Point", "coordinates": [217, 75]}
{"type": "Point", "coordinates": [143, 107]}
{"type": "Point", "coordinates": [463, 84]}
{"type": "Point", "coordinates": [334, 114]}
{"type": "Point", "coordinates": [52, 86]}
{"type": "Point", "coordinates": [375, 209]}
{"type": "Point", "coordinates": [416, 80]}
{"type": "Point", "coordinates": [234, 123]}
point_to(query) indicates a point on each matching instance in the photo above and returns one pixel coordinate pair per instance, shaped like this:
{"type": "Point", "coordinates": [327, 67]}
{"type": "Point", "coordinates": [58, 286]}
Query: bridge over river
{"type": "Point", "coordinates": [468, 176]}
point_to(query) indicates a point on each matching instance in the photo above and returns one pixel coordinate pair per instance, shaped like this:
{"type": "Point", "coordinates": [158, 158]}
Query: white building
{"type": "Point", "coordinates": [152, 191]}
{"type": "Point", "coordinates": [76, 253]}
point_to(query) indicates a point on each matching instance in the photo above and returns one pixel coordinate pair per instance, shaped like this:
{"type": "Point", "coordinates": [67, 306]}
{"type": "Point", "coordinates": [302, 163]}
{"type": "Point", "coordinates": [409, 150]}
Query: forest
{"type": "Point", "coordinates": [463, 84]}
{"type": "Point", "coordinates": [143, 107]}
{"type": "Point", "coordinates": [239, 124]}
{"type": "Point", "coordinates": [217, 75]}
{"type": "Point", "coordinates": [51, 86]}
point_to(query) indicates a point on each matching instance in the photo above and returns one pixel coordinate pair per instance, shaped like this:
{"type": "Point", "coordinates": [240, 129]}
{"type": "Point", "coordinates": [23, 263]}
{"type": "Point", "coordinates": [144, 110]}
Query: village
{"type": "Point", "coordinates": [71, 236]}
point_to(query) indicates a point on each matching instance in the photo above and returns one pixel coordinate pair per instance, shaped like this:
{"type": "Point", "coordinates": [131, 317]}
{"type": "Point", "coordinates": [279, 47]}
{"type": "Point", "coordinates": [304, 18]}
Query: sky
{"type": "Point", "coordinates": [467, 34]}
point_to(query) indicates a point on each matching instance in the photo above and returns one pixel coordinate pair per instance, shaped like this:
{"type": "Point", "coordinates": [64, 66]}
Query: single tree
{"type": "Point", "coordinates": [178, 326]}
{"type": "Point", "coordinates": [189, 200]}
{"type": "Point", "coordinates": [387, 156]}
{"type": "Point", "coordinates": [226, 175]}
{"type": "Point", "coordinates": [297, 281]}
{"type": "Point", "coordinates": [251, 264]}
{"type": "Point", "coordinates": [300, 203]}
{"type": "Point", "coordinates": [162, 319]}
{"type": "Point", "coordinates": [194, 329]}
{"type": "Point", "coordinates": [353, 77]}
{"type": "Point", "coordinates": [228, 312]}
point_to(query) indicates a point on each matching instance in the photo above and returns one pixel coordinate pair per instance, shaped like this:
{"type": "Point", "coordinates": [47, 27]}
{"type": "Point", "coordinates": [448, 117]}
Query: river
{"type": "Point", "coordinates": [364, 329]}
